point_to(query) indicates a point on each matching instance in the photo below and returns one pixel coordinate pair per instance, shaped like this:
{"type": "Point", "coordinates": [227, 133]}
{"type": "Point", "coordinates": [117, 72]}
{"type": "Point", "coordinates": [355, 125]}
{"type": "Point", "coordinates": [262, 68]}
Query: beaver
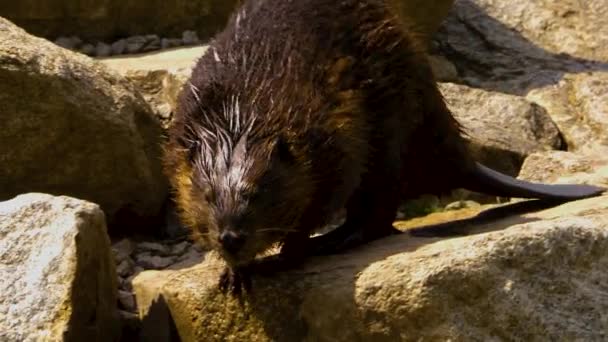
{"type": "Point", "coordinates": [298, 109]}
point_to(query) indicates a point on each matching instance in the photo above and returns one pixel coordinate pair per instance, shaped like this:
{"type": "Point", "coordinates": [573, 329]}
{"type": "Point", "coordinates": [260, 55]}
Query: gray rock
{"type": "Point", "coordinates": [71, 43]}
{"type": "Point", "coordinates": [190, 38]}
{"type": "Point", "coordinates": [152, 44]}
{"type": "Point", "coordinates": [119, 47]}
{"type": "Point", "coordinates": [88, 128]}
{"type": "Point", "coordinates": [57, 277]}
{"type": "Point", "coordinates": [167, 43]}
{"type": "Point", "coordinates": [153, 247]}
{"type": "Point", "coordinates": [127, 301]}
{"type": "Point", "coordinates": [190, 258]}
{"type": "Point", "coordinates": [504, 129]}
{"type": "Point", "coordinates": [87, 49]}
{"type": "Point", "coordinates": [103, 50]}
{"type": "Point", "coordinates": [135, 44]}
{"type": "Point", "coordinates": [180, 248]}
{"type": "Point", "coordinates": [137, 270]}
{"type": "Point", "coordinates": [149, 261]}
{"type": "Point", "coordinates": [125, 268]}
{"type": "Point", "coordinates": [123, 249]}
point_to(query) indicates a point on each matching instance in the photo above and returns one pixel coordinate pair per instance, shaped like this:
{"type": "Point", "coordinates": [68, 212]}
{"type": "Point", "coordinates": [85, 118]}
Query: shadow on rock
{"type": "Point", "coordinates": [158, 325]}
{"type": "Point", "coordinates": [302, 296]}
{"type": "Point", "coordinates": [491, 55]}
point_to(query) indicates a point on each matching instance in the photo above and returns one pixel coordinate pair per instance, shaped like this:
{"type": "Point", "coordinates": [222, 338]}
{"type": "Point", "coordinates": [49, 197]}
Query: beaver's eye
{"type": "Point", "coordinates": [193, 150]}
{"type": "Point", "coordinates": [248, 195]}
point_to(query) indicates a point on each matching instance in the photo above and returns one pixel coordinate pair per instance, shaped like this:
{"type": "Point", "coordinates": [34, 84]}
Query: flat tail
{"type": "Point", "coordinates": [485, 180]}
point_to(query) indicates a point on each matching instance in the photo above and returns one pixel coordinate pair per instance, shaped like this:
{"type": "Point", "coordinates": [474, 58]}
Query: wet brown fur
{"type": "Point", "coordinates": [346, 87]}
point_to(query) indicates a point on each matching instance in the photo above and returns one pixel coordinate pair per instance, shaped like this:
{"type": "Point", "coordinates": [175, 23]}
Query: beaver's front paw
{"type": "Point", "coordinates": [235, 280]}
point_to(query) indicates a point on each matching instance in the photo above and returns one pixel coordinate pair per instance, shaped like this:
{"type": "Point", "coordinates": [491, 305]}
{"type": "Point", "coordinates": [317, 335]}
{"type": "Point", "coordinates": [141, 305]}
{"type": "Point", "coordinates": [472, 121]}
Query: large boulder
{"type": "Point", "coordinates": [107, 19]}
{"type": "Point", "coordinates": [528, 277]}
{"type": "Point", "coordinates": [71, 126]}
{"type": "Point", "coordinates": [57, 275]}
{"type": "Point", "coordinates": [503, 129]}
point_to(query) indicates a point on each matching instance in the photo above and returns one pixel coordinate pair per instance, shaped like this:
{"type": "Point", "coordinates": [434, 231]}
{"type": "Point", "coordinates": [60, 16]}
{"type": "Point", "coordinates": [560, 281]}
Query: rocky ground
{"type": "Point", "coordinates": [129, 45]}
{"type": "Point", "coordinates": [527, 79]}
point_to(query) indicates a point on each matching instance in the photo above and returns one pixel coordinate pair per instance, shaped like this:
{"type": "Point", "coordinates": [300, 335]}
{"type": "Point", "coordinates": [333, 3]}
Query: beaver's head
{"type": "Point", "coordinates": [240, 186]}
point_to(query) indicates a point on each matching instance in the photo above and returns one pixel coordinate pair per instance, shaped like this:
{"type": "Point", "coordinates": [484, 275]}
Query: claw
{"type": "Point", "coordinates": [235, 281]}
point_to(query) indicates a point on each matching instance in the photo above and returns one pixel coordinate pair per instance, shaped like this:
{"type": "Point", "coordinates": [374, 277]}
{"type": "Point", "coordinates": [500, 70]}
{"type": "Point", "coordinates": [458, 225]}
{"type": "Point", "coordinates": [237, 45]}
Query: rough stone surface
{"type": "Point", "coordinates": [159, 76]}
{"type": "Point", "coordinates": [530, 277]}
{"type": "Point", "coordinates": [520, 45]}
{"type": "Point", "coordinates": [567, 167]}
{"type": "Point", "coordinates": [503, 128]}
{"type": "Point", "coordinates": [579, 106]}
{"type": "Point", "coordinates": [72, 126]}
{"type": "Point", "coordinates": [57, 277]}
{"type": "Point", "coordinates": [106, 19]}
{"type": "Point", "coordinates": [160, 88]}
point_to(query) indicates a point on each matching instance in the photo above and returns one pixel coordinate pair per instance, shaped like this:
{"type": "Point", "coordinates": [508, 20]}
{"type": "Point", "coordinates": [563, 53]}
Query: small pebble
{"type": "Point", "coordinates": [119, 47]}
{"type": "Point", "coordinates": [180, 248]}
{"type": "Point", "coordinates": [167, 43]}
{"type": "Point", "coordinates": [122, 249]}
{"type": "Point", "coordinates": [152, 44]}
{"type": "Point", "coordinates": [462, 205]}
{"type": "Point", "coordinates": [153, 262]}
{"type": "Point", "coordinates": [125, 268]}
{"type": "Point", "coordinates": [71, 43]}
{"type": "Point", "coordinates": [191, 258]}
{"type": "Point", "coordinates": [128, 283]}
{"type": "Point", "coordinates": [135, 43]}
{"type": "Point", "coordinates": [198, 247]}
{"type": "Point", "coordinates": [190, 38]}
{"type": "Point", "coordinates": [88, 49]}
{"type": "Point", "coordinates": [126, 300]}
{"type": "Point", "coordinates": [103, 50]}
{"type": "Point", "coordinates": [153, 247]}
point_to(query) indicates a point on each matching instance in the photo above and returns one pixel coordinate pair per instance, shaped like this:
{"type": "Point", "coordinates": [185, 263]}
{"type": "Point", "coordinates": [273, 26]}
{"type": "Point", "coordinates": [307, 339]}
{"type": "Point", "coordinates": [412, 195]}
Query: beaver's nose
{"type": "Point", "coordinates": [231, 241]}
